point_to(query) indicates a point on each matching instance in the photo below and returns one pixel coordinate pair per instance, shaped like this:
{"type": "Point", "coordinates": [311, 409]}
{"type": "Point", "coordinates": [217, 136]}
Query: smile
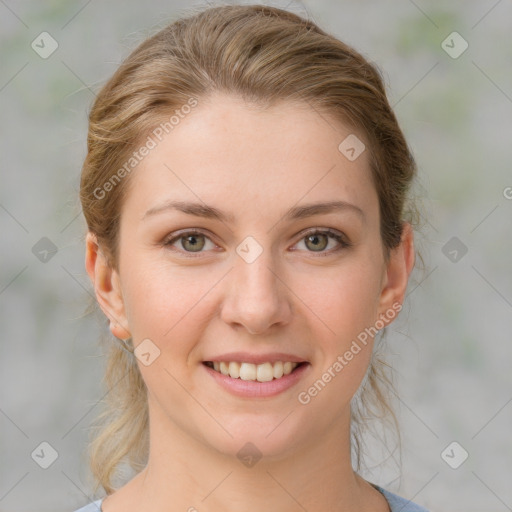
{"type": "Point", "coordinates": [264, 372]}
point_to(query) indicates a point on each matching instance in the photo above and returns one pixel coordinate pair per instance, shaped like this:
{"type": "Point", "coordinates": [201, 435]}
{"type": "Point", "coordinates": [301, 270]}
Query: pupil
{"type": "Point", "coordinates": [192, 242]}
{"type": "Point", "coordinates": [315, 240]}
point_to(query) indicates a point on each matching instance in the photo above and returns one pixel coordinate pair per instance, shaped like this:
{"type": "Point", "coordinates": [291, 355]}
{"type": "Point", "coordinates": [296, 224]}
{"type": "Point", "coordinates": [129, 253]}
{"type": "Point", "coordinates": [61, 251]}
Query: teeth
{"type": "Point", "coordinates": [260, 372]}
{"type": "Point", "coordinates": [264, 372]}
{"type": "Point", "coordinates": [234, 369]}
{"type": "Point", "coordinates": [278, 370]}
{"type": "Point", "coordinates": [248, 371]}
{"type": "Point", "coordinates": [224, 368]}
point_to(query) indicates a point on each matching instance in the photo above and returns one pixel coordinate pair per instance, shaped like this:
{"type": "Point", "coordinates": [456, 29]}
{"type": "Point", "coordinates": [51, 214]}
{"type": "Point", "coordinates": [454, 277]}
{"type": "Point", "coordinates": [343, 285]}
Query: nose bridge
{"type": "Point", "coordinates": [256, 298]}
{"type": "Point", "coordinates": [258, 277]}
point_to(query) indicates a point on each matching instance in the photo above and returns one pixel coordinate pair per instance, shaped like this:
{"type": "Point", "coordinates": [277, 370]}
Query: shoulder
{"type": "Point", "coordinates": [396, 503]}
{"type": "Point", "coordinates": [399, 504]}
{"type": "Point", "coordinates": [94, 506]}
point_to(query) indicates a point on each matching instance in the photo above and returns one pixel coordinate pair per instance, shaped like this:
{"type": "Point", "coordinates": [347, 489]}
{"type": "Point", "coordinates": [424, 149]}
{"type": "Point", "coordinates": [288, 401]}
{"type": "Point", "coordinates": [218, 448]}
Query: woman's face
{"type": "Point", "coordinates": [248, 267]}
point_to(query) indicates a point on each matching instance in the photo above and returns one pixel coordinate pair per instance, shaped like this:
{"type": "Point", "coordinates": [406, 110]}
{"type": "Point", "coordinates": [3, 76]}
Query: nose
{"type": "Point", "coordinates": [257, 298]}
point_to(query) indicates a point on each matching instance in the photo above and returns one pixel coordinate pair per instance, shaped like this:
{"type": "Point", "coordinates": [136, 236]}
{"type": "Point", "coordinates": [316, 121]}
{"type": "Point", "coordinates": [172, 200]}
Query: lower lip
{"type": "Point", "coordinates": [255, 389]}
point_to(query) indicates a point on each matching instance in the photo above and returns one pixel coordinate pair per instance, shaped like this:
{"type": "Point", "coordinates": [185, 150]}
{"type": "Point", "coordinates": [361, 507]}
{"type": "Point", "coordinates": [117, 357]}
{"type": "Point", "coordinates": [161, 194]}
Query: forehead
{"type": "Point", "coordinates": [229, 152]}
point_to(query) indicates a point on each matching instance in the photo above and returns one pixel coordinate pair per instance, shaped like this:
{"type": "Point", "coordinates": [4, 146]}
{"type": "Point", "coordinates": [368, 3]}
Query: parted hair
{"type": "Point", "coordinates": [264, 55]}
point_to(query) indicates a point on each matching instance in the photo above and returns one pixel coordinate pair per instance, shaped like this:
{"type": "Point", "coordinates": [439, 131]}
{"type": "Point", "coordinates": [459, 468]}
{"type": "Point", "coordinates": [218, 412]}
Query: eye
{"type": "Point", "coordinates": [189, 242]}
{"type": "Point", "coordinates": [317, 240]}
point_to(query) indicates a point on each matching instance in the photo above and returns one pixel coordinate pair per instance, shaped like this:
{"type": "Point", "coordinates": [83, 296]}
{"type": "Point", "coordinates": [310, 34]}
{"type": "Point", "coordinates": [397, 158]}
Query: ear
{"type": "Point", "coordinates": [107, 287]}
{"type": "Point", "coordinates": [398, 268]}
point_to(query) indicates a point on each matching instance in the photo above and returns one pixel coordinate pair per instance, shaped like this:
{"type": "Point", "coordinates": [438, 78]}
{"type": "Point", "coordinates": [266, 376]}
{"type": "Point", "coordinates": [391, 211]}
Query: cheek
{"type": "Point", "coordinates": [164, 302]}
{"type": "Point", "coordinates": [348, 306]}
{"type": "Point", "coordinates": [349, 299]}
{"type": "Point", "coordinates": [167, 301]}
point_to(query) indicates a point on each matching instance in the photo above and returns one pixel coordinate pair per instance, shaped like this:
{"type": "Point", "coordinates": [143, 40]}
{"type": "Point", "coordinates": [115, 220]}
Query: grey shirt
{"type": "Point", "coordinates": [396, 503]}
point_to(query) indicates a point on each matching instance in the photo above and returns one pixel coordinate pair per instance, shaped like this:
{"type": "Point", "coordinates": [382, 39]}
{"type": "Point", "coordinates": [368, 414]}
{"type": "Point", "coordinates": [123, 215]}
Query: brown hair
{"type": "Point", "coordinates": [264, 55]}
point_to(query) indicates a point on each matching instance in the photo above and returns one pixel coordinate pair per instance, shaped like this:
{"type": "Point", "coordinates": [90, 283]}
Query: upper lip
{"type": "Point", "coordinates": [245, 357]}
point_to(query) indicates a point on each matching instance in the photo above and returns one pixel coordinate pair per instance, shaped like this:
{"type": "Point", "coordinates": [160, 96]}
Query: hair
{"type": "Point", "coordinates": [264, 55]}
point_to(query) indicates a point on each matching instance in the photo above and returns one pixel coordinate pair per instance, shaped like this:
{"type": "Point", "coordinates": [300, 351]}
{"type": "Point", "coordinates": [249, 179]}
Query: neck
{"type": "Point", "coordinates": [186, 474]}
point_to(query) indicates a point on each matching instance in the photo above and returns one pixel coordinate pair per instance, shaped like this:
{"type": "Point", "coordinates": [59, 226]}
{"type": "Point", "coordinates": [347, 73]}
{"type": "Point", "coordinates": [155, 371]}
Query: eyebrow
{"type": "Point", "coordinates": [297, 212]}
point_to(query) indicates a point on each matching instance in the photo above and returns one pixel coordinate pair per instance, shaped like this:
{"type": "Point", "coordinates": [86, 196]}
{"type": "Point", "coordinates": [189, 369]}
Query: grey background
{"type": "Point", "coordinates": [451, 347]}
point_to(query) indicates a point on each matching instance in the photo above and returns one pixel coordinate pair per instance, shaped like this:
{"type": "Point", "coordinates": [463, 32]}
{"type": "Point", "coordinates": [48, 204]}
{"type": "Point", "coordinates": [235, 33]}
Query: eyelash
{"type": "Point", "coordinates": [344, 244]}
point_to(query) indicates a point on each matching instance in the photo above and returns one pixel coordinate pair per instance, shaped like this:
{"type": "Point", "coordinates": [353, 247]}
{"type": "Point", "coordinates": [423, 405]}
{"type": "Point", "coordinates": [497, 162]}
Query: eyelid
{"type": "Point", "coordinates": [324, 231]}
{"type": "Point", "coordinates": [173, 237]}
{"type": "Point", "coordinates": [339, 236]}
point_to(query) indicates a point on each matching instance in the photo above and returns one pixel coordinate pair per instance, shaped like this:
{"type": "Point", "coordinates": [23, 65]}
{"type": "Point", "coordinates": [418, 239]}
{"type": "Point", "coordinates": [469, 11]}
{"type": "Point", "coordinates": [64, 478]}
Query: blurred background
{"type": "Point", "coordinates": [448, 69]}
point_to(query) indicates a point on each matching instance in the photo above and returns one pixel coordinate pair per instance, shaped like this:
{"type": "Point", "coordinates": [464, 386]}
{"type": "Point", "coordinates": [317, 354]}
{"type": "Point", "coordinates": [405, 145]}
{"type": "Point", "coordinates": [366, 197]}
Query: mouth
{"type": "Point", "coordinates": [264, 372]}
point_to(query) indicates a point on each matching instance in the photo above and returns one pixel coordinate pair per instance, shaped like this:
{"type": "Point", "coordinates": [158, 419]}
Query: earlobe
{"type": "Point", "coordinates": [107, 289]}
{"type": "Point", "coordinates": [398, 269]}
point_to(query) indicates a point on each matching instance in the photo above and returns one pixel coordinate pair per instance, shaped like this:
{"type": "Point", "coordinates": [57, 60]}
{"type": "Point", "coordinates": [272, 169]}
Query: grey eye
{"type": "Point", "coordinates": [193, 243]}
{"type": "Point", "coordinates": [317, 241]}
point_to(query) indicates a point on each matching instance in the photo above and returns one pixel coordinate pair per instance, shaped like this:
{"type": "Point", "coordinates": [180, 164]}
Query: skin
{"type": "Point", "coordinates": [255, 164]}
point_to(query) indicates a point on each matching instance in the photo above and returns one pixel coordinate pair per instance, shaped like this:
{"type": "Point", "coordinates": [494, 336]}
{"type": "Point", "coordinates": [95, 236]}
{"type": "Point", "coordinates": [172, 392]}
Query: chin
{"type": "Point", "coordinates": [256, 436]}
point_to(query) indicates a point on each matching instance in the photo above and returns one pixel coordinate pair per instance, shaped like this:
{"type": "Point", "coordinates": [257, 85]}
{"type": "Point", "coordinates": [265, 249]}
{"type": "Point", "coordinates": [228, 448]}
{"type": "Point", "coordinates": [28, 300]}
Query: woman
{"type": "Point", "coordinates": [245, 191]}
